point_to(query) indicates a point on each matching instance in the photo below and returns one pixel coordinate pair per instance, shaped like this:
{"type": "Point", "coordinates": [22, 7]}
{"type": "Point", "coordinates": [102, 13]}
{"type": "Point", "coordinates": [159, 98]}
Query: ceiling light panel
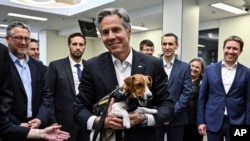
{"type": "Point", "coordinates": [228, 8]}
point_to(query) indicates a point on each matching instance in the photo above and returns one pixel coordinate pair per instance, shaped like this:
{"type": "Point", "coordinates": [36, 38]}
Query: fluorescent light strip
{"type": "Point", "coordinates": [139, 27]}
{"type": "Point", "coordinates": [27, 17]}
{"type": "Point", "coordinates": [3, 25]}
{"type": "Point", "coordinates": [228, 8]}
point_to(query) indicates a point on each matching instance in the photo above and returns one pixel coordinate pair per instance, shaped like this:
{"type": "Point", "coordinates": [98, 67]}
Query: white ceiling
{"type": "Point", "coordinates": [146, 12]}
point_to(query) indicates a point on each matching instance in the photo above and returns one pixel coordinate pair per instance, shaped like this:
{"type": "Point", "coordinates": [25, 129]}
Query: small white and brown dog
{"type": "Point", "coordinates": [132, 96]}
{"type": "Point", "coordinates": [136, 94]}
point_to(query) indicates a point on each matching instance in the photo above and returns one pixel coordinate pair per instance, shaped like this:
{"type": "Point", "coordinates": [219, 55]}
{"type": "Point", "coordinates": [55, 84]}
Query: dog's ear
{"type": "Point", "coordinates": [149, 80]}
{"type": "Point", "coordinates": [127, 82]}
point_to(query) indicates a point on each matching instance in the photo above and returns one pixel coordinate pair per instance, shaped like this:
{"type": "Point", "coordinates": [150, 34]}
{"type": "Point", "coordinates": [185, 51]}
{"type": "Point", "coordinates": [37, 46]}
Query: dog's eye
{"type": "Point", "coordinates": [139, 85]}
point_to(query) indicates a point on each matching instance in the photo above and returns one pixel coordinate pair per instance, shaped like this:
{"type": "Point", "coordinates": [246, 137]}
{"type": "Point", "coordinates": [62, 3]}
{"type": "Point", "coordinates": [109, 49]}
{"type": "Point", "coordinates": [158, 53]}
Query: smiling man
{"type": "Point", "coordinates": [224, 94]}
{"type": "Point", "coordinates": [103, 73]}
{"type": "Point", "coordinates": [33, 49]}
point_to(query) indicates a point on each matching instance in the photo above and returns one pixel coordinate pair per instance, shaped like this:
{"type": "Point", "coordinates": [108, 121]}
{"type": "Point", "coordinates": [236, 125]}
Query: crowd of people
{"type": "Point", "coordinates": [55, 102]}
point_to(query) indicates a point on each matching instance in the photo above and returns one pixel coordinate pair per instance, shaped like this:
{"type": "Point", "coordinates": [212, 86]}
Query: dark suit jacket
{"type": "Point", "coordinates": [7, 129]}
{"type": "Point", "coordinates": [99, 79]}
{"type": "Point", "coordinates": [61, 85]}
{"type": "Point", "coordinates": [40, 94]}
{"type": "Point", "coordinates": [180, 86]}
{"type": "Point", "coordinates": [213, 98]}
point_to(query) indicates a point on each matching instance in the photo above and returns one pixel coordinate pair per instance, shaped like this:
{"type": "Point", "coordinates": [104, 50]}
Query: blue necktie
{"type": "Point", "coordinates": [79, 72]}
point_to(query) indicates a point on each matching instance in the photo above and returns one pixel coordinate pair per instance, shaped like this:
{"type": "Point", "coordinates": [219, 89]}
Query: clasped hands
{"type": "Point", "coordinates": [115, 122]}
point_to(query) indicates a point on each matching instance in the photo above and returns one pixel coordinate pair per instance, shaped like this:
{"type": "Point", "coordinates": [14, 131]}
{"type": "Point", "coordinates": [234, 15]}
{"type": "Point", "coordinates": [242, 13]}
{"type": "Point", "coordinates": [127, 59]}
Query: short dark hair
{"type": "Point", "coordinates": [34, 40]}
{"type": "Point", "coordinates": [171, 35]}
{"type": "Point", "coordinates": [146, 42]}
{"type": "Point", "coordinates": [76, 34]}
{"type": "Point", "coordinates": [236, 39]}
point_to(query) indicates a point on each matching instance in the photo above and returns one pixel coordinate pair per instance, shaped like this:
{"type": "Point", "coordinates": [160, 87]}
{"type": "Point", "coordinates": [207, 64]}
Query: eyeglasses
{"type": "Point", "coordinates": [20, 38]}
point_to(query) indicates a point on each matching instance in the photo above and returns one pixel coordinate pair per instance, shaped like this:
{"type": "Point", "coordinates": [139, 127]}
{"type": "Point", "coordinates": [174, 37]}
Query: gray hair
{"type": "Point", "coordinates": [122, 13]}
{"type": "Point", "coordinates": [16, 24]}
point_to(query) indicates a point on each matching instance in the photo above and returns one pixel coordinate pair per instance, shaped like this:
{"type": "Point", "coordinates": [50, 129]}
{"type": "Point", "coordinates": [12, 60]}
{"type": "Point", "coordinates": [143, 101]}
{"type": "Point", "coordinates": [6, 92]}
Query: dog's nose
{"type": "Point", "coordinates": [149, 97]}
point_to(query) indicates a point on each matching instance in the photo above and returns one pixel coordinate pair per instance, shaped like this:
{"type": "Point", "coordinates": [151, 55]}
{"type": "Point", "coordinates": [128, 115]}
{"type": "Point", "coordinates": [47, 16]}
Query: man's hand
{"type": "Point", "coordinates": [113, 121]}
{"type": "Point", "coordinates": [24, 124]}
{"type": "Point", "coordinates": [34, 123]}
{"type": "Point", "coordinates": [202, 129]}
{"type": "Point", "coordinates": [136, 118]}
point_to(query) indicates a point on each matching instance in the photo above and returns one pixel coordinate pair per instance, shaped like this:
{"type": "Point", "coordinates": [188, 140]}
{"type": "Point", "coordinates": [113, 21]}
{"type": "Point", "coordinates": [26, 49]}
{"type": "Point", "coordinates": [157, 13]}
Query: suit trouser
{"type": "Point", "coordinates": [224, 131]}
{"type": "Point", "coordinates": [174, 133]}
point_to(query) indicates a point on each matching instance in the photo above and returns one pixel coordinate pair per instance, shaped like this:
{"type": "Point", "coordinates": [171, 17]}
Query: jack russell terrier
{"type": "Point", "coordinates": [132, 96]}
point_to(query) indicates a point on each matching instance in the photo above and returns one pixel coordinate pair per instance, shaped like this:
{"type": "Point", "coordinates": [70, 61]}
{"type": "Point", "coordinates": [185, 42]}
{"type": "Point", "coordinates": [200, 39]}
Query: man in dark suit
{"type": "Point", "coordinates": [180, 86]}
{"type": "Point", "coordinates": [8, 130]}
{"type": "Point", "coordinates": [30, 107]}
{"type": "Point", "coordinates": [102, 74]}
{"type": "Point", "coordinates": [224, 97]}
{"type": "Point", "coordinates": [63, 82]}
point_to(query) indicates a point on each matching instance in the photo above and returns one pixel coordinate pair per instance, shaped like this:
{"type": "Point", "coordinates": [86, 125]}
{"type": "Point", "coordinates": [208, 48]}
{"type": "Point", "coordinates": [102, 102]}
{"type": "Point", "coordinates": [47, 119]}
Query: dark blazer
{"type": "Point", "coordinates": [213, 98]}
{"type": "Point", "coordinates": [40, 94]}
{"type": "Point", "coordinates": [99, 79]}
{"type": "Point", "coordinates": [180, 86]}
{"type": "Point", "coordinates": [7, 129]}
{"type": "Point", "coordinates": [61, 85]}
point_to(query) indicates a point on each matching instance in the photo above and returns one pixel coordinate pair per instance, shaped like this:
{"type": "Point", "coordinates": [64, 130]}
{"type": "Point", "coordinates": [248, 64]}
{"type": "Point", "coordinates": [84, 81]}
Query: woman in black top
{"type": "Point", "coordinates": [197, 67]}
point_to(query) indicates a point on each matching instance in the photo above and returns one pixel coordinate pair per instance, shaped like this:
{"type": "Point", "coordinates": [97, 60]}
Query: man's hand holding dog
{"type": "Point", "coordinates": [115, 122]}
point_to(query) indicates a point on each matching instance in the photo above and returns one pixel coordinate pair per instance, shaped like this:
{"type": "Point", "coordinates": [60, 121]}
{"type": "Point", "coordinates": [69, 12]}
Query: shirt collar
{"type": "Point", "coordinates": [72, 62]}
{"type": "Point", "coordinates": [14, 58]}
{"type": "Point", "coordinates": [171, 62]}
{"type": "Point", "coordinates": [128, 59]}
{"type": "Point", "coordinates": [223, 64]}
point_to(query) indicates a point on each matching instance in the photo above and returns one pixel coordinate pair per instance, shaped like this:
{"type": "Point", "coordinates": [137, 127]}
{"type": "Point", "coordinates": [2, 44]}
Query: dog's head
{"type": "Point", "coordinates": [138, 86]}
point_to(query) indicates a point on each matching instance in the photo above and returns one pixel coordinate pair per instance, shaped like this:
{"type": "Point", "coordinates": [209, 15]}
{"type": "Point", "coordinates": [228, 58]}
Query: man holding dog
{"type": "Point", "coordinates": [102, 74]}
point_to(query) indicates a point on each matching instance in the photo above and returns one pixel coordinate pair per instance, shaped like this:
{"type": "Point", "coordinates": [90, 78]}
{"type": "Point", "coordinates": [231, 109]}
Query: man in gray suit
{"type": "Point", "coordinates": [102, 74]}
{"type": "Point", "coordinates": [62, 76]}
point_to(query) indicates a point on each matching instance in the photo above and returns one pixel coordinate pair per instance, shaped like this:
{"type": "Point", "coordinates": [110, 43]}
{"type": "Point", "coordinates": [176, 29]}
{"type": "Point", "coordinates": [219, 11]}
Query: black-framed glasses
{"type": "Point", "coordinates": [20, 38]}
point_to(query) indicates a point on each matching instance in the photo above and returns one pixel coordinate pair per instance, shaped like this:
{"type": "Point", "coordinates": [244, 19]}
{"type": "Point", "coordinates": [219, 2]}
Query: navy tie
{"type": "Point", "coordinates": [79, 72]}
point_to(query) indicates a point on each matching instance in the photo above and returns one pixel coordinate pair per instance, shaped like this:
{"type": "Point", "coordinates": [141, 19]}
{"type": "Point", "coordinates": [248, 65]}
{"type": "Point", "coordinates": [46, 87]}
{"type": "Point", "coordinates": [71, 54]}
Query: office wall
{"type": "Point", "coordinates": [236, 26]}
{"type": "Point", "coordinates": [229, 26]}
{"type": "Point", "coordinates": [56, 47]}
{"type": "Point", "coordinates": [154, 35]}
{"type": "Point", "coordinates": [232, 26]}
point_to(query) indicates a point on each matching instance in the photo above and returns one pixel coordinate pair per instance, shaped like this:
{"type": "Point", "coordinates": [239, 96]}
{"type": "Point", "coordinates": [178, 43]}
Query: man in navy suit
{"type": "Point", "coordinates": [63, 83]}
{"type": "Point", "coordinates": [103, 73]}
{"type": "Point", "coordinates": [8, 130]}
{"type": "Point", "coordinates": [30, 106]}
{"type": "Point", "coordinates": [224, 94]}
{"type": "Point", "coordinates": [180, 86]}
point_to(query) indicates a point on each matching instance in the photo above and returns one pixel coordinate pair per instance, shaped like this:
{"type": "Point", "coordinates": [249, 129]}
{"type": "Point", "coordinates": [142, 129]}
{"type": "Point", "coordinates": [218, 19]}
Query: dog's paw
{"type": "Point", "coordinates": [126, 124]}
{"type": "Point", "coordinates": [153, 111]}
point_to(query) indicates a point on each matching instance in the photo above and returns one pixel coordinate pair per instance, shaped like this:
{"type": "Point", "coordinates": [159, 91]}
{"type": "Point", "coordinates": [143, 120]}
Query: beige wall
{"type": "Point", "coordinates": [57, 45]}
{"type": "Point", "coordinates": [232, 26]}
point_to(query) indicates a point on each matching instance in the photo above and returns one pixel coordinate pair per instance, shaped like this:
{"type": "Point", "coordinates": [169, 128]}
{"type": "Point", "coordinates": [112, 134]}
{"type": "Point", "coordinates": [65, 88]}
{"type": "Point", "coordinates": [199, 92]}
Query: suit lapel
{"type": "Point", "coordinates": [218, 74]}
{"type": "Point", "coordinates": [174, 71]}
{"type": "Point", "coordinates": [33, 74]}
{"type": "Point", "coordinates": [16, 77]}
{"type": "Point", "coordinates": [137, 64]}
{"type": "Point", "coordinates": [239, 70]}
{"type": "Point", "coordinates": [68, 71]}
{"type": "Point", "coordinates": [109, 71]}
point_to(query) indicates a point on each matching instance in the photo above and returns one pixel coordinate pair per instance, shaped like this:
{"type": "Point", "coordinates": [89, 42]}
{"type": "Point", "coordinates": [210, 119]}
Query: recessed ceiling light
{"type": "Point", "coordinates": [3, 25]}
{"type": "Point", "coordinates": [228, 8]}
{"type": "Point", "coordinates": [27, 17]}
{"type": "Point", "coordinates": [139, 27]}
